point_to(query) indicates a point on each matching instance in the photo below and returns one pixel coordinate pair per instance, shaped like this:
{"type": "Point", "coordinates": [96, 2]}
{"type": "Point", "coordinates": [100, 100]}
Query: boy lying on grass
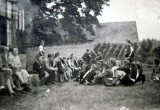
{"type": "Point", "coordinates": [128, 74]}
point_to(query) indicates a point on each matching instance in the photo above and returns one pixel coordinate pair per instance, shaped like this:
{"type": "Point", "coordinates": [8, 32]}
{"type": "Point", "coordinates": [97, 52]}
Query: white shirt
{"type": "Point", "coordinates": [131, 48]}
{"type": "Point", "coordinates": [41, 48]}
{"type": "Point", "coordinates": [71, 63]}
{"type": "Point", "coordinates": [14, 61]}
{"type": "Point", "coordinates": [114, 68]}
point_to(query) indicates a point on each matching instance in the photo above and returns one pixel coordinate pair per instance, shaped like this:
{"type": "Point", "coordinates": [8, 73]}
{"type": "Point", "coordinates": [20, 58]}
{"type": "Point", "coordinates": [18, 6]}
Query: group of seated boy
{"type": "Point", "coordinates": [110, 72]}
{"type": "Point", "coordinates": [91, 69]}
{"type": "Point", "coordinates": [54, 68]}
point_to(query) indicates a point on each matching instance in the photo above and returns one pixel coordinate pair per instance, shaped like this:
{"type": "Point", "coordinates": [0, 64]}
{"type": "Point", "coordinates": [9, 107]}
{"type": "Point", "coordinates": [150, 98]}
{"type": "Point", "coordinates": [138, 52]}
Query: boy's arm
{"type": "Point", "coordinates": [153, 73]}
{"type": "Point", "coordinates": [131, 48]}
{"type": "Point", "coordinates": [19, 63]}
{"type": "Point", "coordinates": [10, 63]}
{"type": "Point", "coordinates": [46, 64]}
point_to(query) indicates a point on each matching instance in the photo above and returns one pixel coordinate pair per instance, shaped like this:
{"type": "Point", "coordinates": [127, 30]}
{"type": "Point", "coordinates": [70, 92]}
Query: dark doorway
{"type": "Point", "coordinates": [3, 31]}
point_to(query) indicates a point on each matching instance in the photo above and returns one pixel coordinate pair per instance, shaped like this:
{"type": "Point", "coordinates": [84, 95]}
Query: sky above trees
{"type": "Point", "coordinates": [145, 12]}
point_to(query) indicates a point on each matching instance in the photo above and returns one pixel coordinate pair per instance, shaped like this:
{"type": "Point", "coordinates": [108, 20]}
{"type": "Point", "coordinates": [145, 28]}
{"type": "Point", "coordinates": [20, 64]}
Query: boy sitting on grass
{"type": "Point", "coordinates": [89, 75]}
{"type": "Point", "coordinates": [122, 76]}
{"type": "Point", "coordinates": [103, 74]}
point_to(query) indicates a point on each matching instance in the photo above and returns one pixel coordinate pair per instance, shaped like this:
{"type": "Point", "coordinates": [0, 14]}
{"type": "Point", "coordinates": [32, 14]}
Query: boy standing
{"type": "Point", "coordinates": [41, 48]}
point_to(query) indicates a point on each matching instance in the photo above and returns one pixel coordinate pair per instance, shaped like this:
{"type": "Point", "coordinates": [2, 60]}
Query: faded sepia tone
{"type": "Point", "coordinates": [79, 54]}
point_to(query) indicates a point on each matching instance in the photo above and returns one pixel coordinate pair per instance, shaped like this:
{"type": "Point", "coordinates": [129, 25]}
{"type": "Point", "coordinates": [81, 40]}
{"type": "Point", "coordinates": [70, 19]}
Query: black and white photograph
{"type": "Point", "coordinates": [79, 54]}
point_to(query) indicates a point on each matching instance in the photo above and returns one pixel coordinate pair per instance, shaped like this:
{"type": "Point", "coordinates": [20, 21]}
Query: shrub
{"type": "Point", "coordinates": [149, 60]}
{"type": "Point", "coordinates": [106, 50]}
{"type": "Point", "coordinates": [112, 50]}
{"type": "Point", "coordinates": [117, 52]}
{"type": "Point", "coordinates": [149, 45]}
{"type": "Point", "coordinates": [156, 52]}
{"type": "Point", "coordinates": [102, 48]}
{"type": "Point", "coordinates": [96, 47]}
{"type": "Point", "coordinates": [144, 50]}
{"type": "Point", "coordinates": [135, 46]}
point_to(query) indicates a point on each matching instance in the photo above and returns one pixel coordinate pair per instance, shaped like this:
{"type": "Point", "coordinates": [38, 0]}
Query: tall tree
{"type": "Point", "coordinates": [74, 15]}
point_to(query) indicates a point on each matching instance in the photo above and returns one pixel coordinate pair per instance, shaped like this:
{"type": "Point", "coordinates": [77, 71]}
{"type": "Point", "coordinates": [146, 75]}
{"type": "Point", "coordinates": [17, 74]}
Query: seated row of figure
{"type": "Point", "coordinates": [55, 68]}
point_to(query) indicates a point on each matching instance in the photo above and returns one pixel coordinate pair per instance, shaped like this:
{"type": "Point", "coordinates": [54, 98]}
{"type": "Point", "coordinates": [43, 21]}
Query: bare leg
{"type": "Point", "coordinates": [11, 81]}
{"type": "Point", "coordinates": [65, 76]}
{"type": "Point", "coordinates": [25, 75]}
{"type": "Point", "coordinates": [20, 77]}
{"type": "Point", "coordinates": [8, 83]}
{"type": "Point", "coordinates": [2, 82]}
{"type": "Point", "coordinates": [61, 77]}
{"type": "Point", "coordinates": [68, 73]}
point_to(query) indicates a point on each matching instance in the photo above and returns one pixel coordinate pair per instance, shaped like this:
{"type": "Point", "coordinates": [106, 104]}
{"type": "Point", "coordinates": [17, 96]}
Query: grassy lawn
{"type": "Point", "coordinates": [72, 96]}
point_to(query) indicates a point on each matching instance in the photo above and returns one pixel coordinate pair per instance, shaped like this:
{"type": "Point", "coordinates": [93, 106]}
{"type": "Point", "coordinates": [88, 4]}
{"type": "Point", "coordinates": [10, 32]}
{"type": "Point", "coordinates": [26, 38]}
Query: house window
{"type": "Point", "coordinates": [9, 33]}
{"type": "Point", "coordinates": [3, 35]}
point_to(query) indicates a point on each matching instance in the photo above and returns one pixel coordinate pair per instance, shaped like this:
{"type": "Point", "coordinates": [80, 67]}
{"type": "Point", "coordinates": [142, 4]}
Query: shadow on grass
{"type": "Point", "coordinates": [72, 96]}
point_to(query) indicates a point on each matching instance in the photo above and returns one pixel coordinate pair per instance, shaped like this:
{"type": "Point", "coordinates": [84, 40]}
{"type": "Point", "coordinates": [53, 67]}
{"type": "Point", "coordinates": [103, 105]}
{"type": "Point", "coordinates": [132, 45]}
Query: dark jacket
{"type": "Point", "coordinates": [38, 69]}
{"type": "Point", "coordinates": [60, 68]}
{"type": "Point", "coordinates": [125, 69]}
{"type": "Point", "coordinates": [128, 52]}
{"type": "Point", "coordinates": [86, 58]}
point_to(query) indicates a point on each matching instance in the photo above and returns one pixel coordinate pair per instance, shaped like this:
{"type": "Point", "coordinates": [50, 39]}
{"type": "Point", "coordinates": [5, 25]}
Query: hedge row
{"type": "Point", "coordinates": [145, 51]}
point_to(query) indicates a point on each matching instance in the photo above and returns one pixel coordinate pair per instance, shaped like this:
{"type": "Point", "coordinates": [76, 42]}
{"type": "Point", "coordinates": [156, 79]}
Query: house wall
{"type": "Point", "coordinates": [11, 22]}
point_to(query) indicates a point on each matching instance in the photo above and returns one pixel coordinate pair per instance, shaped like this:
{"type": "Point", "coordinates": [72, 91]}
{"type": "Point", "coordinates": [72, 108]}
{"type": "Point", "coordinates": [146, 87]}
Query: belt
{"type": "Point", "coordinates": [133, 79]}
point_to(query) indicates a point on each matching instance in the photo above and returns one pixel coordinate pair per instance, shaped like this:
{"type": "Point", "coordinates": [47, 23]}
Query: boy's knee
{"type": "Point", "coordinates": [24, 71]}
{"type": "Point", "coordinates": [18, 73]}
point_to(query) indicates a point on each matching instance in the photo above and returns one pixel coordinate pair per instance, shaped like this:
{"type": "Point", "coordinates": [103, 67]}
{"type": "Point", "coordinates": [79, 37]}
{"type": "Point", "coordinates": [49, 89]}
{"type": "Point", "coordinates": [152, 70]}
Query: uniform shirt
{"type": "Point", "coordinates": [86, 58]}
{"type": "Point", "coordinates": [37, 67]}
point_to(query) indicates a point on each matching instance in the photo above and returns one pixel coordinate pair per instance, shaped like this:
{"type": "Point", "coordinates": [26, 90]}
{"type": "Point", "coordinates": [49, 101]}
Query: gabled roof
{"type": "Point", "coordinates": [117, 32]}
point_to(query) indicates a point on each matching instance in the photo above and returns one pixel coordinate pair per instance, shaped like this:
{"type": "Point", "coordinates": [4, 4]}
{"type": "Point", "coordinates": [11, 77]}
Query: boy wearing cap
{"type": "Point", "coordinates": [39, 69]}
